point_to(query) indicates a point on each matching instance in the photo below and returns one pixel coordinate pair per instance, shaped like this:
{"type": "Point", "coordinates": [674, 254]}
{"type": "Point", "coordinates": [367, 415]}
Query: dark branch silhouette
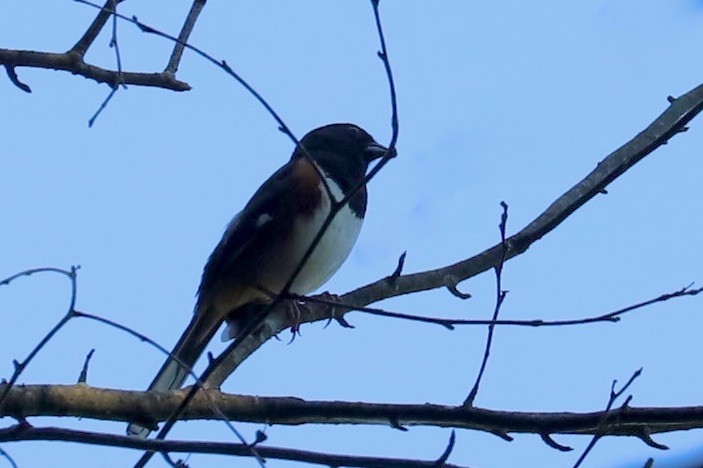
{"type": "Point", "coordinates": [608, 415]}
{"type": "Point", "coordinates": [124, 405]}
{"type": "Point", "coordinates": [27, 432]}
{"type": "Point", "coordinates": [500, 297]}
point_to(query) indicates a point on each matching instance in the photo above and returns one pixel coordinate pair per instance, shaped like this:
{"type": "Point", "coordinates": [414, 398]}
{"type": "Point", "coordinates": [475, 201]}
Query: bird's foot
{"type": "Point", "coordinates": [336, 312]}
{"type": "Point", "coordinates": [295, 311]}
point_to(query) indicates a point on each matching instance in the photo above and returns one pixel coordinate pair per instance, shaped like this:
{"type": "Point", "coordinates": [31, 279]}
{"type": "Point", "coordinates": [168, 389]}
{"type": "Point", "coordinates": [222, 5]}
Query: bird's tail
{"type": "Point", "coordinates": [188, 349]}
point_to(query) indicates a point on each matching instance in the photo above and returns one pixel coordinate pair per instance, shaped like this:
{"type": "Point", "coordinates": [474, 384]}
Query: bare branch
{"type": "Point", "coordinates": [607, 414]}
{"type": "Point", "coordinates": [26, 432]}
{"type": "Point", "coordinates": [121, 405]}
{"type": "Point", "coordinates": [383, 55]}
{"type": "Point", "coordinates": [72, 62]}
{"type": "Point", "coordinates": [20, 366]}
{"type": "Point", "coordinates": [118, 60]}
{"type": "Point", "coordinates": [672, 121]}
{"type": "Point", "coordinates": [500, 297]}
{"type": "Point", "coordinates": [341, 307]}
{"type": "Point", "coordinates": [84, 43]}
{"type": "Point", "coordinates": [183, 36]}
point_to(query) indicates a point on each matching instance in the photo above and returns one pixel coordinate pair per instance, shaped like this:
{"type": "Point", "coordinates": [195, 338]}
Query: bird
{"type": "Point", "coordinates": [264, 243]}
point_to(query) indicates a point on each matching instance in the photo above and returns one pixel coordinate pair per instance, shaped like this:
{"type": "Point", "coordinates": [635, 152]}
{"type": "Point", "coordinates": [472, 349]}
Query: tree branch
{"type": "Point", "coordinates": [452, 323]}
{"type": "Point", "coordinates": [500, 297]}
{"type": "Point", "coordinates": [122, 405]}
{"type": "Point", "coordinates": [84, 43]}
{"type": "Point", "coordinates": [73, 62]}
{"type": "Point", "coordinates": [23, 432]}
{"type": "Point", "coordinates": [183, 36]}
{"type": "Point", "coordinates": [671, 122]}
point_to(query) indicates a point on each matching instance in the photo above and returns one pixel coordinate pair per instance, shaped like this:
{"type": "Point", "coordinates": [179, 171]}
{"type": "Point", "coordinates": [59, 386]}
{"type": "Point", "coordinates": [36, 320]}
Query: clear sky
{"type": "Point", "coordinates": [506, 100]}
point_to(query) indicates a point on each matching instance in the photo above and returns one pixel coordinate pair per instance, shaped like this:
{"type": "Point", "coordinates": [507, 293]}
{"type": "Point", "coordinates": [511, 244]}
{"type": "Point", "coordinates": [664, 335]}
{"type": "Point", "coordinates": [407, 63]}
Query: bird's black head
{"type": "Point", "coordinates": [343, 150]}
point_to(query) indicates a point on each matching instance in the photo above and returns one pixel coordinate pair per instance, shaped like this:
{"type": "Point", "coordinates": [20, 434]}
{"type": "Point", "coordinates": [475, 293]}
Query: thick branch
{"type": "Point", "coordinates": [119, 405]}
{"type": "Point", "coordinates": [73, 62]}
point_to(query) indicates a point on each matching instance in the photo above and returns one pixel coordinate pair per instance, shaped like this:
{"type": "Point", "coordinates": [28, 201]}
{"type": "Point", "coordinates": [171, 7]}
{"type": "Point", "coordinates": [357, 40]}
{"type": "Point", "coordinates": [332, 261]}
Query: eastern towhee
{"type": "Point", "coordinates": [264, 243]}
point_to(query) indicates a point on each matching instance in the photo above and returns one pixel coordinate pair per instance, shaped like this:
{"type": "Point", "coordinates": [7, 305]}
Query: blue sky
{"type": "Point", "coordinates": [508, 100]}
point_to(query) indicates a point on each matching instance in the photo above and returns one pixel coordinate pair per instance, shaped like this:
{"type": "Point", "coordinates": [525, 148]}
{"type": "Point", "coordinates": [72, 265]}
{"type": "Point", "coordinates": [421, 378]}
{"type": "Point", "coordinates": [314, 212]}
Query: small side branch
{"type": "Point", "coordinates": [183, 36]}
{"type": "Point", "coordinates": [73, 62]}
{"type": "Point", "coordinates": [84, 43]}
{"type": "Point", "coordinates": [70, 313]}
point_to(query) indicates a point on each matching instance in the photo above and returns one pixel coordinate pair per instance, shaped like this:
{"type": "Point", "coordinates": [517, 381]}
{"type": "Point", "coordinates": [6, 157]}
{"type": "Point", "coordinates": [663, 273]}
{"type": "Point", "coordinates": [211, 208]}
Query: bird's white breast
{"type": "Point", "coordinates": [334, 246]}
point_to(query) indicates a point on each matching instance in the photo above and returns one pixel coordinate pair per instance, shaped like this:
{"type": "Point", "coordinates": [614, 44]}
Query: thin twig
{"type": "Point", "coordinates": [20, 366]}
{"type": "Point", "coordinates": [7, 457]}
{"type": "Point", "coordinates": [83, 377]}
{"type": "Point", "coordinates": [102, 106]}
{"type": "Point", "coordinates": [500, 297]}
{"type": "Point", "coordinates": [383, 55]}
{"type": "Point", "coordinates": [118, 59]}
{"type": "Point", "coordinates": [441, 461]}
{"type": "Point", "coordinates": [341, 307]}
{"type": "Point", "coordinates": [606, 414]}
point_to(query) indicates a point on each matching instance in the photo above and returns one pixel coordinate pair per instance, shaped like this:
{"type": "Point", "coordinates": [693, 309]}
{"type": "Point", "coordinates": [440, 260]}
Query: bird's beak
{"type": "Point", "coordinates": [376, 150]}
